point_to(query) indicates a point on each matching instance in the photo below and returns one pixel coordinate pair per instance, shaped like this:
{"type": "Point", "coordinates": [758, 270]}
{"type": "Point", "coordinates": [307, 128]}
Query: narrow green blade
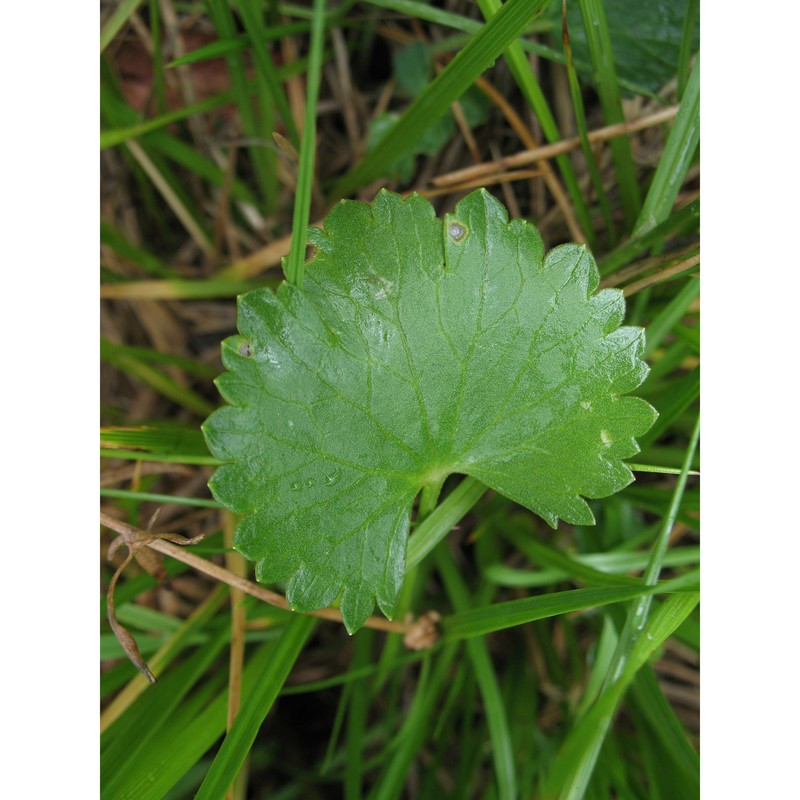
{"type": "Point", "coordinates": [254, 709]}
{"type": "Point", "coordinates": [454, 80]}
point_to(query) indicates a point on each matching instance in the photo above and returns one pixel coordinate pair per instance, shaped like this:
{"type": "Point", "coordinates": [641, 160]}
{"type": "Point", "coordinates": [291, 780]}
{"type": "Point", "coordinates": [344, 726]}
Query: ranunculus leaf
{"type": "Point", "coordinates": [417, 348]}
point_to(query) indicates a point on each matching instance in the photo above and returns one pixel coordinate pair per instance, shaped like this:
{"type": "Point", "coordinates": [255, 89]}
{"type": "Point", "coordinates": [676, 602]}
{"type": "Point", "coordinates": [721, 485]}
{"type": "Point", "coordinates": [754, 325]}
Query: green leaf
{"type": "Point", "coordinates": [418, 348]}
{"type": "Point", "coordinates": [432, 140]}
{"type": "Point", "coordinates": [645, 37]}
{"type": "Point", "coordinates": [413, 68]}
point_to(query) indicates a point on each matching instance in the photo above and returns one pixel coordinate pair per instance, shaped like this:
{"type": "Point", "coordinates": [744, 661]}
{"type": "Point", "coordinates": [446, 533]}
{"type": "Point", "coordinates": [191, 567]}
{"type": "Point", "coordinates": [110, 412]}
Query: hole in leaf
{"type": "Point", "coordinates": [457, 231]}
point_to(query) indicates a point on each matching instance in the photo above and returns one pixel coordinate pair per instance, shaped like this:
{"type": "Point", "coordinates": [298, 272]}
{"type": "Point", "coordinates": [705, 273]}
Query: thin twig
{"type": "Point", "coordinates": [639, 268]}
{"type": "Point", "coordinates": [172, 200]}
{"type": "Point", "coordinates": [526, 137]}
{"type": "Point", "coordinates": [501, 178]}
{"type": "Point", "coordinates": [530, 156]}
{"type": "Point", "coordinates": [663, 275]}
{"type": "Point", "coordinates": [168, 544]}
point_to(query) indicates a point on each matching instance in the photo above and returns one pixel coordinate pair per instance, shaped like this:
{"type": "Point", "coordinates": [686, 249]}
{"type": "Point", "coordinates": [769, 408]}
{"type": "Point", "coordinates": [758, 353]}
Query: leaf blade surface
{"type": "Point", "coordinates": [417, 348]}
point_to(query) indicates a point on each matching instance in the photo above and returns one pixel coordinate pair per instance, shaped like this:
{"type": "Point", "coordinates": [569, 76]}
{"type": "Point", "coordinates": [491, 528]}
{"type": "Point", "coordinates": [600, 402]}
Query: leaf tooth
{"type": "Point", "coordinates": [608, 305]}
{"type": "Point", "coordinates": [358, 602]}
{"type": "Point", "coordinates": [577, 511]}
{"type": "Point", "coordinates": [310, 589]}
{"type": "Point", "coordinates": [572, 263]}
{"type": "Point", "coordinates": [319, 240]}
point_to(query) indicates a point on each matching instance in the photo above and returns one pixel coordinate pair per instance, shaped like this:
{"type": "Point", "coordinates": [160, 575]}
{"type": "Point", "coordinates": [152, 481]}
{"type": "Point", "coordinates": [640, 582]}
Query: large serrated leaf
{"type": "Point", "coordinates": [417, 348]}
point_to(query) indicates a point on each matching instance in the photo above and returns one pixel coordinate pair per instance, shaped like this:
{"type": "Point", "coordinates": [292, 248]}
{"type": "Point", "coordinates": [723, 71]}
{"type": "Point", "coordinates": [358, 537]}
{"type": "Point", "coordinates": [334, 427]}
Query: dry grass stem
{"type": "Point", "coordinates": [502, 178]}
{"type": "Point", "coordinates": [664, 275]}
{"type": "Point", "coordinates": [526, 137]}
{"type": "Point", "coordinates": [237, 565]}
{"type": "Point", "coordinates": [532, 155]}
{"type": "Point", "coordinates": [172, 200]}
{"type": "Point", "coordinates": [171, 544]}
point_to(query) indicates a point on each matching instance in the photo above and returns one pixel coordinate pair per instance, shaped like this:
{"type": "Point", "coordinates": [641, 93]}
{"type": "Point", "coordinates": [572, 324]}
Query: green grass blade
{"type": "Point", "coordinates": [639, 612]}
{"type": "Point", "coordinates": [612, 563]}
{"type": "Point", "coordinates": [606, 646]}
{"type": "Point", "coordinates": [480, 621]}
{"type": "Point", "coordinates": [115, 136]}
{"type": "Point", "coordinates": [602, 55]}
{"type": "Point", "coordinates": [670, 359]}
{"type": "Point", "coordinates": [571, 771]}
{"type": "Point", "coordinates": [168, 754]}
{"type": "Point", "coordinates": [687, 43]}
{"type": "Point", "coordinates": [123, 12]}
{"type": "Point", "coordinates": [253, 22]}
{"type": "Point", "coordinates": [574, 766]}
{"type": "Point", "coordinates": [583, 132]}
{"type": "Point", "coordinates": [155, 442]}
{"type": "Point", "coordinates": [131, 127]}
{"type": "Point", "coordinates": [353, 674]}
{"type": "Point", "coordinates": [159, 381]}
{"type": "Point", "coordinates": [547, 556]}
{"type": "Point", "coordinates": [183, 289]}
{"type": "Point", "coordinates": [684, 391]}
{"type": "Point", "coordinates": [494, 708]}
{"type": "Point", "coordinates": [417, 723]}
{"type": "Point", "coordinates": [357, 718]}
{"type": "Point", "coordinates": [452, 82]}
{"type": "Point", "coordinates": [153, 497]}
{"type": "Point", "coordinates": [448, 19]}
{"type": "Point", "coordinates": [660, 716]}
{"type": "Point", "coordinates": [148, 354]}
{"type": "Point", "coordinates": [189, 731]}
{"type": "Point", "coordinates": [676, 159]}
{"type": "Point", "coordinates": [430, 13]}
{"type": "Point", "coordinates": [295, 262]}
{"type": "Point", "coordinates": [658, 469]}
{"type": "Point", "coordinates": [523, 74]}
{"type": "Point", "coordinates": [261, 154]}
{"type": "Point", "coordinates": [223, 47]}
{"type": "Point", "coordinates": [209, 52]}
{"type": "Point", "coordinates": [671, 314]}
{"type": "Point", "coordinates": [153, 709]}
{"type": "Point", "coordinates": [159, 82]}
{"type": "Point", "coordinates": [682, 221]}
{"type": "Point", "coordinates": [114, 239]}
{"type": "Point", "coordinates": [254, 709]}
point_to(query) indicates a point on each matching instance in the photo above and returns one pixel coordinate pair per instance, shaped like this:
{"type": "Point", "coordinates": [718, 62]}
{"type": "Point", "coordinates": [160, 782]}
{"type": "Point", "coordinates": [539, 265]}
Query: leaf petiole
{"type": "Point", "coordinates": [429, 497]}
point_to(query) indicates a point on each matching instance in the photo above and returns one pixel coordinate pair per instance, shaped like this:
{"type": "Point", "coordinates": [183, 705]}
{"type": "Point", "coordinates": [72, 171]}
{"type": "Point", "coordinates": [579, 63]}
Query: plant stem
{"type": "Point", "coordinates": [429, 498]}
{"type": "Point", "coordinates": [295, 262]}
{"type": "Point", "coordinates": [440, 522]}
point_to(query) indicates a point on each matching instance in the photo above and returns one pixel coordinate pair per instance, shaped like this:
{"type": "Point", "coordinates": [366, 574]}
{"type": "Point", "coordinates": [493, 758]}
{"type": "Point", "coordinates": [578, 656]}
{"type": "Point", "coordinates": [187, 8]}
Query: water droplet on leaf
{"type": "Point", "coordinates": [332, 477]}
